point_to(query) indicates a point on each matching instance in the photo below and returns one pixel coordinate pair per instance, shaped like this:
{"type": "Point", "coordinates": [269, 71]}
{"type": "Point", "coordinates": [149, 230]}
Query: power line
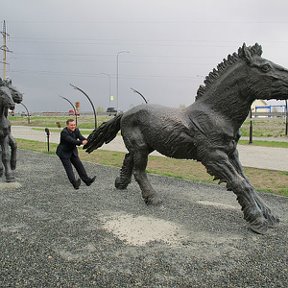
{"type": "Point", "coordinates": [132, 40]}
{"type": "Point", "coordinates": [70, 60]}
{"type": "Point", "coordinates": [141, 21]}
{"type": "Point", "coordinates": [78, 74]}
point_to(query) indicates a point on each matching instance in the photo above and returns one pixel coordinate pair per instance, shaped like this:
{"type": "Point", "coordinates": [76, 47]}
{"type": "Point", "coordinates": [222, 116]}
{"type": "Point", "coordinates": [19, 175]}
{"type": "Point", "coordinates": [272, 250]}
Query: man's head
{"type": "Point", "coordinates": [71, 125]}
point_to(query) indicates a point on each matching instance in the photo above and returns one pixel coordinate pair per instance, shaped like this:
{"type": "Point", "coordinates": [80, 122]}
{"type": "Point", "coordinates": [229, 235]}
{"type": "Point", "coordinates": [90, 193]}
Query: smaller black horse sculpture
{"type": "Point", "coordinates": [206, 131]}
{"type": "Point", "coordinates": [8, 97]}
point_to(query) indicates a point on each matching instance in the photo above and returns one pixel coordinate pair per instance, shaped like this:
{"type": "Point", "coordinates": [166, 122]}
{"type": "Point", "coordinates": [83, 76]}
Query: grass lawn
{"type": "Point", "coordinates": [263, 143]}
{"type": "Point", "coordinates": [262, 127]}
{"type": "Point", "coordinates": [84, 122]}
{"type": "Point", "coordinates": [265, 127]}
{"type": "Point", "coordinates": [263, 180]}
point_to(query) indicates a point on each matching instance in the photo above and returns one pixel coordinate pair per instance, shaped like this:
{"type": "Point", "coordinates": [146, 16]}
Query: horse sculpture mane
{"type": "Point", "coordinates": [206, 131]}
{"type": "Point", "coordinates": [224, 65]}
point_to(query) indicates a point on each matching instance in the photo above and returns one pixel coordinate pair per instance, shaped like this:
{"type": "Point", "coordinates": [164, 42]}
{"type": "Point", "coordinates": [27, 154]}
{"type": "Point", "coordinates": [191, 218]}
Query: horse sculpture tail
{"type": "Point", "coordinates": [105, 133]}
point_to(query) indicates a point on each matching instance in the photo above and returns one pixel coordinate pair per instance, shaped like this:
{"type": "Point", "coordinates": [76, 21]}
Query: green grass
{"type": "Point", "coordinates": [265, 127]}
{"type": "Point", "coordinates": [263, 180]}
{"type": "Point", "coordinates": [265, 143]}
{"type": "Point", "coordinates": [87, 130]}
{"type": "Point", "coordinates": [262, 127]}
{"type": "Point", "coordinates": [84, 122]}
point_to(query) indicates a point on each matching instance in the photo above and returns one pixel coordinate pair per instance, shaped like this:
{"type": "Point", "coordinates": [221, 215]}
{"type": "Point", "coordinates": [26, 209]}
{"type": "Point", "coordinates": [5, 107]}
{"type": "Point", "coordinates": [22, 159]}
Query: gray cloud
{"type": "Point", "coordinates": [173, 44]}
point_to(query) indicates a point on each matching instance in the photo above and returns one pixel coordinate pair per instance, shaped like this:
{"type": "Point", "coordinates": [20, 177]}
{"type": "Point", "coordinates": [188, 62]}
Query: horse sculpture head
{"type": "Point", "coordinates": [6, 99]}
{"type": "Point", "coordinates": [17, 96]}
{"type": "Point", "coordinates": [247, 75]}
{"type": "Point", "coordinates": [265, 79]}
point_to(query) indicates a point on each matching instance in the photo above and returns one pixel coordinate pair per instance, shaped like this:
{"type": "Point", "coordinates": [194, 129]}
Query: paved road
{"type": "Point", "coordinates": [250, 156]}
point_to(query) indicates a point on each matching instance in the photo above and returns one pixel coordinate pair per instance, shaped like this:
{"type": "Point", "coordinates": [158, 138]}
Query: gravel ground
{"type": "Point", "coordinates": [54, 236]}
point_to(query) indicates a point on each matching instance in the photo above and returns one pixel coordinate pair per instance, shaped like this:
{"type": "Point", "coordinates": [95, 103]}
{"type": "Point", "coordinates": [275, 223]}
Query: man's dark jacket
{"type": "Point", "coordinates": [68, 142]}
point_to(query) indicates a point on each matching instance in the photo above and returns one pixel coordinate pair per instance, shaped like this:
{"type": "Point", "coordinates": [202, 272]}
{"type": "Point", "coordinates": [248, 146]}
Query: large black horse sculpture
{"type": "Point", "coordinates": [8, 97]}
{"type": "Point", "coordinates": [207, 130]}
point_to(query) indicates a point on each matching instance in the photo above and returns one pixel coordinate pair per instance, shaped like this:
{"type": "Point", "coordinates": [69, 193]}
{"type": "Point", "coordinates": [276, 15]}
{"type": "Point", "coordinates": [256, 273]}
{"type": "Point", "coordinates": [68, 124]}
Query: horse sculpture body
{"type": "Point", "coordinates": [206, 131]}
{"type": "Point", "coordinates": [8, 97]}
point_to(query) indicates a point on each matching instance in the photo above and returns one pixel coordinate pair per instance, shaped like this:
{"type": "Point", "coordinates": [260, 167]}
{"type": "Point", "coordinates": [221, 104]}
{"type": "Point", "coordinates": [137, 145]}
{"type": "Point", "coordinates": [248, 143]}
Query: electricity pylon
{"type": "Point", "coordinates": [5, 49]}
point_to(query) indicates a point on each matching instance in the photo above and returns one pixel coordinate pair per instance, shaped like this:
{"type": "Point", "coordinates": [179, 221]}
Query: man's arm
{"type": "Point", "coordinates": [69, 139]}
{"type": "Point", "coordinates": [80, 136]}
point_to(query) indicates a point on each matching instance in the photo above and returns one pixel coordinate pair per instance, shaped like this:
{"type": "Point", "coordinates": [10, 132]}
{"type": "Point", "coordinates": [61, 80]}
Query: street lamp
{"type": "Point", "coordinates": [86, 95]}
{"type": "Point", "coordinates": [117, 76]}
{"type": "Point", "coordinates": [140, 95]}
{"type": "Point", "coordinates": [28, 114]}
{"type": "Point", "coordinates": [74, 108]}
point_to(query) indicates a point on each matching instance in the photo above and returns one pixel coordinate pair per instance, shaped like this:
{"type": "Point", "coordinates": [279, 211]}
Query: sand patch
{"type": "Point", "coordinates": [140, 230]}
{"type": "Point", "coordinates": [4, 186]}
{"type": "Point", "coordinates": [218, 205]}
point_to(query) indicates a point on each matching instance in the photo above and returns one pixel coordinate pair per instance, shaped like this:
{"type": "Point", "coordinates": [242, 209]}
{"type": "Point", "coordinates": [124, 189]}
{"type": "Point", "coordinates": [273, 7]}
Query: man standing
{"type": "Point", "coordinates": [68, 153]}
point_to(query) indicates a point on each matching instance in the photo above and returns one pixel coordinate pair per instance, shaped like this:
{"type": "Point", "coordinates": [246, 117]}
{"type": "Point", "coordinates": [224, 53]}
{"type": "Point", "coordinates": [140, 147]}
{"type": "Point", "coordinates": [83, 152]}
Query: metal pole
{"type": "Point", "coordinates": [250, 128]}
{"type": "Point", "coordinates": [74, 108]}
{"type": "Point", "coordinates": [117, 77]}
{"type": "Point", "coordinates": [95, 117]}
{"type": "Point", "coordinates": [286, 118]}
{"type": "Point", "coordinates": [28, 114]}
{"type": "Point", "coordinates": [5, 49]}
{"type": "Point", "coordinates": [48, 137]}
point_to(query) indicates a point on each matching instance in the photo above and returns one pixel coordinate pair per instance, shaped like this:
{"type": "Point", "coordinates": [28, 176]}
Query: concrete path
{"type": "Point", "coordinates": [250, 156]}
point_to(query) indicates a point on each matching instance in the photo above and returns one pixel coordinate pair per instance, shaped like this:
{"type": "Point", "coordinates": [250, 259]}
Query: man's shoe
{"type": "Point", "coordinates": [77, 183]}
{"type": "Point", "coordinates": [90, 181]}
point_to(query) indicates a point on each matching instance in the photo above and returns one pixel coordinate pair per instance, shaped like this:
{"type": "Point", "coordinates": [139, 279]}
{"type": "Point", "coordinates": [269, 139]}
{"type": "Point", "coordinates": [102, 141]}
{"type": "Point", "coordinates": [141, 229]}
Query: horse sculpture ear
{"type": "Point", "coordinates": [245, 54]}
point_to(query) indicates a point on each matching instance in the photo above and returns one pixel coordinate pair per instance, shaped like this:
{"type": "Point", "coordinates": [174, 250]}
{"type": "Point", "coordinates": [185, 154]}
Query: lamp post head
{"type": "Point", "coordinates": [124, 51]}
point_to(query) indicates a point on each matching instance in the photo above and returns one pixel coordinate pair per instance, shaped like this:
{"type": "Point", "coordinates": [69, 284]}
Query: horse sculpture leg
{"type": "Point", "coordinates": [122, 181]}
{"type": "Point", "coordinates": [136, 162]}
{"type": "Point", "coordinates": [5, 160]}
{"type": "Point", "coordinates": [13, 146]}
{"type": "Point", "coordinates": [149, 195]}
{"type": "Point", "coordinates": [220, 166]}
{"type": "Point", "coordinates": [272, 219]}
{"type": "Point", "coordinates": [1, 165]}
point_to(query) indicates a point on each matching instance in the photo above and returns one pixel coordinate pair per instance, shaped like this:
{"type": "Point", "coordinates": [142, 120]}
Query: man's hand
{"type": "Point", "coordinates": [84, 142]}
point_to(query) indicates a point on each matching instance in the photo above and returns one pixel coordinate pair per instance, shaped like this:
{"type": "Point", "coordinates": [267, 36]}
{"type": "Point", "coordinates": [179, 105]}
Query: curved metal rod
{"type": "Point", "coordinates": [79, 89]}
{"type": "Point", "coordinates": [139, 94]}
{"type": "Point", "coordinates": [74, 108]}
{"type": "Point", "coordinates": [28, 114]}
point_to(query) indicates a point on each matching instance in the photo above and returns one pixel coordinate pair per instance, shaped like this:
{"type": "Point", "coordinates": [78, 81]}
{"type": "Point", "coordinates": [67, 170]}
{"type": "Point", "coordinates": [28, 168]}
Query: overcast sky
{"type": "Point", "coordinates": [172, 44]}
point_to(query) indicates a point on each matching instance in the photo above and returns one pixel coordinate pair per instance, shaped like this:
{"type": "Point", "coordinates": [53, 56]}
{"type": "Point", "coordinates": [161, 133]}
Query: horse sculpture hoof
{"type": "Point", "coordinates": [153, 200]}
{"type": "Point", "coordinates": [259, 225]}
{"type": "Point", "coordinates": [10, 179]}
{"type": "Point", "coordinates": [273, 220]}
{"type": "Point", "coordinates": [121, 185]}
{"type": "Point", "coordinates": [13, 165]}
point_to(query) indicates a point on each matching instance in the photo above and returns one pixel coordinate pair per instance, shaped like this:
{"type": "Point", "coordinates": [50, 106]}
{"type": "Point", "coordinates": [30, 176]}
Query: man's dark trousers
{"type": "Point", "coordinates": [67, 163]}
